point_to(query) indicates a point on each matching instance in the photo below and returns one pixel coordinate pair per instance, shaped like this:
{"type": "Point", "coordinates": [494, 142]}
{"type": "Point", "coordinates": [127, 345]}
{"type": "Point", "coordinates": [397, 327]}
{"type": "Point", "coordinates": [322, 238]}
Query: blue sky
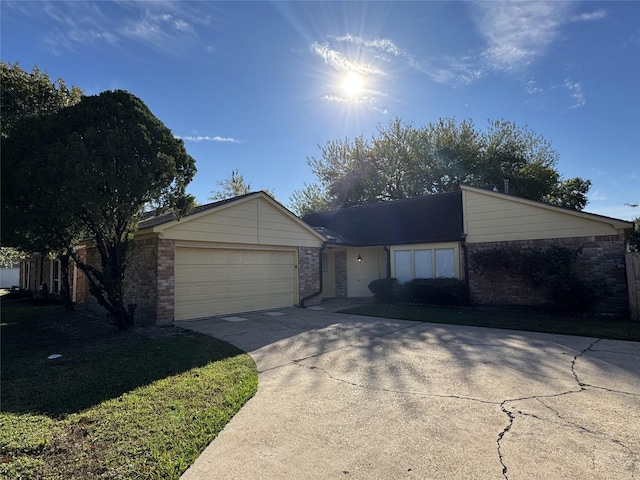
{"type": "Point", "coordinates": [258, 86]}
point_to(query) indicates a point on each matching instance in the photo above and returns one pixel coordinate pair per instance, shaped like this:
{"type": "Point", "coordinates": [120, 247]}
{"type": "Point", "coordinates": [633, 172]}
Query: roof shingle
{"type": "Point", "coordinates": [426, 219]}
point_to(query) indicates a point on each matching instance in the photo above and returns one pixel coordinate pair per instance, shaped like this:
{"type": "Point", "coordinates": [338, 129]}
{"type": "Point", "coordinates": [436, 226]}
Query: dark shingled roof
{"type": "Point", "coordinates": [427, 219]}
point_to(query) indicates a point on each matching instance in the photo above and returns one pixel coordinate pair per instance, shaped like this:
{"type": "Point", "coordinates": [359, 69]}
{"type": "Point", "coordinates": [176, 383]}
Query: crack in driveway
{"type": "Point", "coordinates": [512, 415]}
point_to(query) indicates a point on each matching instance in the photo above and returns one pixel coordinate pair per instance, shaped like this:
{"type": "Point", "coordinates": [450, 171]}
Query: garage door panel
{"type": "Point", "coordinates": [213, 282]}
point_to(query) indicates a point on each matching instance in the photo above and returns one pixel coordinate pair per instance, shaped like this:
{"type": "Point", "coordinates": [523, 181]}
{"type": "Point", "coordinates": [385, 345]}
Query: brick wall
{"type": "Point", "coordinates": [166, 282]}
{"type": "Point", "coordinates": [341, 274]}
{"type": "Point", "coordinates": [602, 258]}
{"type": "Point", "coordinates": [148, 281]}
{"type": "Point", "coordinates": [141, 280]}
{"type": "Point", "coordinates": [309, 274]}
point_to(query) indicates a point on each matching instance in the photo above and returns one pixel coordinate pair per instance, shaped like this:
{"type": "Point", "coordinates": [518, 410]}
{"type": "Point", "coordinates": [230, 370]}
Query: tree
{"type": "Point", "coordinates": [233, 186]}
{"type": "Point", "coordinates": [41, 230]}
{"type": "Point", "coordinates": [309, 199]}
{"type": "Point", "coordinates": [403, 161]}
{"type": "Point", "coordinates": [9, 256]}
{"type": "Point", "coordinates": [28, 94]}
{"type": "Point", "coordinates": [109, 158]}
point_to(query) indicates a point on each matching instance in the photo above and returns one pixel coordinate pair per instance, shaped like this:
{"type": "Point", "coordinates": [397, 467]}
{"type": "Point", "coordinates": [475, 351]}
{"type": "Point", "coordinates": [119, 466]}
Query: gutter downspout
{"type": "Point", "coordinates": [388, 252]}
{"type": "Point", "coordinates": [465, 252]}
{"type": "Point", "coordinates": [320, 272]}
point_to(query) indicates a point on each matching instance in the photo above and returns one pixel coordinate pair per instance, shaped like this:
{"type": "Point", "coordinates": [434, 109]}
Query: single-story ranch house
{"type": "Point", "coordinates": [250, 253]}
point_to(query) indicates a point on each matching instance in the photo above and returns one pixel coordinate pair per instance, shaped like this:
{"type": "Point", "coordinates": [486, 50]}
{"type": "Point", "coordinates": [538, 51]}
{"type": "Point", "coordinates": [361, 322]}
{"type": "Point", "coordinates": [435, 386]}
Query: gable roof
{"type": "Point", "coordinates": [426, 219]}
{"type": "Point", "coordinates": [161, 222]}
{"type": "Point", "coordinates": [614, 222]}
{"type": "Point", "coordinates": [151, 220]}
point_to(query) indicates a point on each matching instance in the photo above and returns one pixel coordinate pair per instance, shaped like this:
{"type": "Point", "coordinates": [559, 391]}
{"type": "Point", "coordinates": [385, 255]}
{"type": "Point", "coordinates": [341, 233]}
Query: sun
{"type": "Point", "coordinates": [353, 84]}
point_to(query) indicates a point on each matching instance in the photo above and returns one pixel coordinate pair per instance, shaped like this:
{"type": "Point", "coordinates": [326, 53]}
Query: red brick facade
{"type": "Point", "coordinates": [602, 258]}
{"type": "Point", "coordinates": [149, 281]}
{"type": "Point", "coordinates": [341, 274]}
{"type": "Point", "coordinates": [309, 274]}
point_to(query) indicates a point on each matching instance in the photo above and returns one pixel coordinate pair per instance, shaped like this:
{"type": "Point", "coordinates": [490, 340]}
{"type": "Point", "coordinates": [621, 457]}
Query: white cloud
{"type": "Point", "coordinates": [341, 63]}
{"type": "Point", "coordinates": [206, 138]}
{"type": "Point", "coordinates": [576, 93]}
{"type": "Point", "coordinates": [168, 27]}
{"type": "Point", "coordinates": [381, 44]}
{"type": "Point", "coordinates": [518, 32]}
{"type": "Point", "coordinates": [589, 17]}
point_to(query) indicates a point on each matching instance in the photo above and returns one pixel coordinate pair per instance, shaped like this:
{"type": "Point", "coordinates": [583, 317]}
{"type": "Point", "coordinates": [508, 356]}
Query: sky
{"type": "Point", "coordinates": [261, 86]}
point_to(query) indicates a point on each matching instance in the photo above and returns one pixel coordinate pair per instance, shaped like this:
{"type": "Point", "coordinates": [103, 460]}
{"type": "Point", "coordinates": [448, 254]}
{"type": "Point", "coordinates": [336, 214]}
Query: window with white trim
{"type": "Point", "coordinates": [445, 263]}
{"type": "Point", "coordinates": [403, 265]}
{"type": "Point", "coordinates": [26, 281]}
{"type": "Point", "coordinates": [56, 277]}
{"type": "Point", "coordinates": [424, 263]}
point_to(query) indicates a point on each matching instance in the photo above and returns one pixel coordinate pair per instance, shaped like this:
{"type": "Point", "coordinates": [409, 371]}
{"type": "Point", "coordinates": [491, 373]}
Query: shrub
{"type": "Point", "coordinates": [386, 290]}
{"type": "Point", "coordinates": [573, 295]}
{"type": "Point", "coordinates": [551, 268]}
{"type": "Point", "coordinates": [436, 291]}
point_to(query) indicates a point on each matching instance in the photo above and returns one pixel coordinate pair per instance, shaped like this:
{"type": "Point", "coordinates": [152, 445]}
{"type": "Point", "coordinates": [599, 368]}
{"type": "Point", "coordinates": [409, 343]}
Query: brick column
{"type": "Point", "coordinates": [309, 273]}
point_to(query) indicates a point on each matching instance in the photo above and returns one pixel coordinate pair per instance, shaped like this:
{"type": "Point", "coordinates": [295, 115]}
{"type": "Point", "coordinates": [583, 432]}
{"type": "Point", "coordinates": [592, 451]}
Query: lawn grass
{"type": "Point", "coordinates": [117, 405]}
{"type": "Point", "coordinates": [508, 318]}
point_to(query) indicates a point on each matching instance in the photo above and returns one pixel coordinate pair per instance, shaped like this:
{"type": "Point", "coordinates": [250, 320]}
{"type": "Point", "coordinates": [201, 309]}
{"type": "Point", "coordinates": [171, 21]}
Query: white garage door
{"type": "Point", "coordinates": [212, 282]}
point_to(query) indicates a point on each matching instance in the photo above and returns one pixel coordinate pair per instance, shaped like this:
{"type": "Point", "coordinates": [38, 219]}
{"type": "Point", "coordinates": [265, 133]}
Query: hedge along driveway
{"type": "Point", "coordinates": [345, 396]}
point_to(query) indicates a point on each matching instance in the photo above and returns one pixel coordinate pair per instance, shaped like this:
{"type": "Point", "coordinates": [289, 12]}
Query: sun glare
{"type": "Point", "coordinates": [353, 84]}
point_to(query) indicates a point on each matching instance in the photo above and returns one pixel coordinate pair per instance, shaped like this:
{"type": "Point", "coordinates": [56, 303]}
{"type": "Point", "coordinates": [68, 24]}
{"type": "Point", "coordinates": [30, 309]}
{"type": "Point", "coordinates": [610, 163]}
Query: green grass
{"type": "Point", "coordinates": [139, 404]}
{"type": "Point", "coordinates": [511, 319]}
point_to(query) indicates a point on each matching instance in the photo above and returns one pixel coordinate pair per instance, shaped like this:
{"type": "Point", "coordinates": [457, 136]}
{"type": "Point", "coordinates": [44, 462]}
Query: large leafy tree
{"type": "Point", "coordinates": [234, 186]}
{"type": "Point", "coordinates": [27, 94]}
{"type": "Point", "coordinates": [23, 95]}
{"type": "Point", "coordinates": [108, 158]}
{"type": "Point", "coordinates": [402, 161]}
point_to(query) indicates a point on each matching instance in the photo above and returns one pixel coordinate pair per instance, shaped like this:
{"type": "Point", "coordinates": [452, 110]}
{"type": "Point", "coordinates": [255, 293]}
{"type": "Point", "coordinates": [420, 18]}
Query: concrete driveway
{"type": "Point", "coordinates": [347, 397]}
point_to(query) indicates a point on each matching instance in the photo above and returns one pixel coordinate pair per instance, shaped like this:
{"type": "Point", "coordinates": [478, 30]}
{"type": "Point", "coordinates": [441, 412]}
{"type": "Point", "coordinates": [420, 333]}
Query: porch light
{"type": "Point", "coordinates": [359, 258]}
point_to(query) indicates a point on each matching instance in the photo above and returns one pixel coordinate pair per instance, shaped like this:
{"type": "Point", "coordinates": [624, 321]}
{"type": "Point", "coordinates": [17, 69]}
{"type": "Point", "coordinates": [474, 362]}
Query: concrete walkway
{"type": "Point", "coordinates": [347, 397]}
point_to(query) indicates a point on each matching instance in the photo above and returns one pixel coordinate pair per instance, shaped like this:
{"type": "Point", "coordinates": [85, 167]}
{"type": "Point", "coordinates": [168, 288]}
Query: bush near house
{"type": "Point", "coordinates": [436, 291]}
{"type": "Point", "coordinates": [387, 290]}
{"type": "Point", "coordinates": [552, 270]}
{"type": "Point", "coordinates": [424, 291]}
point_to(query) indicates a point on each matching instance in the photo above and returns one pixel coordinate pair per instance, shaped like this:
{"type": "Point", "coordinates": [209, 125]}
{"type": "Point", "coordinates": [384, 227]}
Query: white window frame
{"type": "Point", "coordinates": [403, 258]}
{"type": "Point", "coordinates": [413, 258]}
{"type": "Point", "coordinates": [55, 281]}
{"type": "Point", "coordinates": [26, 281]}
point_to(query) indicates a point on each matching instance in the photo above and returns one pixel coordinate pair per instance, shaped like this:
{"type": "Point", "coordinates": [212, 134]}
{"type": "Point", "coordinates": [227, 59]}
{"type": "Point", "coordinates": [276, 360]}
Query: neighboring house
{"type": "Point", "coordinates": [43, 276]}
{"type": "Point", "coordinates": [244, 254]}
{"type": "Point", "coordinates": [10, 277]}
{"type": "Point", "coordinates": [434, 235]}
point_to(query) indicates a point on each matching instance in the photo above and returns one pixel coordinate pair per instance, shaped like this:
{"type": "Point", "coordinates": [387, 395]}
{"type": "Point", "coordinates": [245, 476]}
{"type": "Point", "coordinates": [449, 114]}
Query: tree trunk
{"type": "Point", "coordinates": [106, 284]}
{"type": "Point", "coordinates": [65, 290]}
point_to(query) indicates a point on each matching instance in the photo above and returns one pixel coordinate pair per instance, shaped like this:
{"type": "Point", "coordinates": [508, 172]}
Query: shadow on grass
{"type": "Point", "coordinates": [97, 362]}
{"type": "Point", "coordinates": [508, 318]}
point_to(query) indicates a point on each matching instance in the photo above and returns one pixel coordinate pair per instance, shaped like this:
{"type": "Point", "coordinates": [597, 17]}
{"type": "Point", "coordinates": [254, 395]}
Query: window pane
{"type": "Point", "coordinates": [423, 264]}
{"type": "Point", "coordinates": [403, 265]}
{"type": "Point", "coordinates": [445, 263]}
{"type": "Point", "coordinates": [55, 280]}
